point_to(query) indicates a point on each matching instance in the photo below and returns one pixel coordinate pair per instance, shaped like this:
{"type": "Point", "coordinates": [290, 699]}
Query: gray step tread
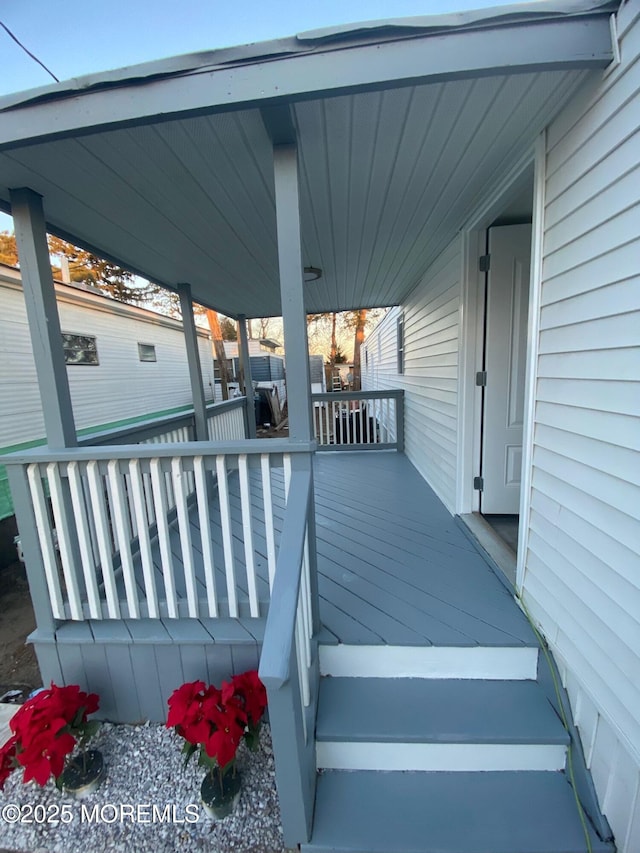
{"type": "Point", "coordinates": [419, 710]}
{"type": "Point", "coordinates": [505, 812]}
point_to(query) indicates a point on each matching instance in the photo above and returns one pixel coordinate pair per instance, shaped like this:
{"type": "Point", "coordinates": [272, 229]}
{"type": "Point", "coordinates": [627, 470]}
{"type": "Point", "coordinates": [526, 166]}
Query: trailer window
{"type": "Point", "coordinates": [147, 352]}
{"type": "Point", "coordinates": [79, 349]}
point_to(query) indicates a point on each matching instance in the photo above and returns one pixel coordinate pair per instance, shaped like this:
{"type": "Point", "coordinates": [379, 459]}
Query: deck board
{"type": "Point", "coordinates": [393, 566]}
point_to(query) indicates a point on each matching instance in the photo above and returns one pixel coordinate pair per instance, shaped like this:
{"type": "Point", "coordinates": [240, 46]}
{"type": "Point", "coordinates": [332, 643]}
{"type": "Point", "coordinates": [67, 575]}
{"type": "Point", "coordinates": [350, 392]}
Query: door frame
{"type": "Point", "coordinates": [471, 340]}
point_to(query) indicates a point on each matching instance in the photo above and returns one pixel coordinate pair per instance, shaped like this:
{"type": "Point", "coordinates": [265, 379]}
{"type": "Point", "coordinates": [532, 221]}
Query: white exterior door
{"type": "Point", "coordinates": [505, 363]}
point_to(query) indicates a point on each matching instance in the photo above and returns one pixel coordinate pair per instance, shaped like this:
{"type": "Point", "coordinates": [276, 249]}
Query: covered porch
{"type": "Point", "coordinates": [197, 551]}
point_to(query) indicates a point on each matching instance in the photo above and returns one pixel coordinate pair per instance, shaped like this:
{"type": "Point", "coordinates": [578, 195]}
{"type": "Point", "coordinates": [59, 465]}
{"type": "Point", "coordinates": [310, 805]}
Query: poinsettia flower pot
{"type": "Point", "coordinates": [84, 774]}
{"type": "Point", "coordinates": [220, 794]}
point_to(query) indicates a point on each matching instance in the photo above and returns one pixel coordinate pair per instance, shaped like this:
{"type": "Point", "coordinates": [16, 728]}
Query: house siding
{"type": "Point", "coordinates": [582, 570]}
{"type": "Point", "coordinates": [120, 387]}
{"type": "Point", "coordinates": [430, 378]}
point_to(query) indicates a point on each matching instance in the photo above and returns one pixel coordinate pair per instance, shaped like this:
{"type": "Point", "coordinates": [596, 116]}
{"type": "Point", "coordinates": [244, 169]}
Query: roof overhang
{"type": "Point", "coordinates": [166, 167]}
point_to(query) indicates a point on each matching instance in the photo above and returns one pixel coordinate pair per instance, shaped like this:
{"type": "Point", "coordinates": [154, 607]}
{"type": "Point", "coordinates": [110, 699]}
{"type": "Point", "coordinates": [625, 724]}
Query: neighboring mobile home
{"type": "Point", "coordinates": [480, 172]}
{"type": "Point", "coordinates": [132, 367]}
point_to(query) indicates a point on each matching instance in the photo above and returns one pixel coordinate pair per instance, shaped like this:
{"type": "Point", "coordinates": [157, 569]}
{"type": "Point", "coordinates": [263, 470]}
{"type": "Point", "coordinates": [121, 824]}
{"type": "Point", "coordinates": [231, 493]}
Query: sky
{"type": "Point", "coordinates": [79, 37]}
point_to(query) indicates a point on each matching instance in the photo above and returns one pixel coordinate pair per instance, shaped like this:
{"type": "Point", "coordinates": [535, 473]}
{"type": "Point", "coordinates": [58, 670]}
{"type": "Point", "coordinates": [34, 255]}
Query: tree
{"type": "Point", "coordinates": [218, 345]}
{"type": "Point", "coordinates": [359, 321]}
{"type": "Point", "coordinates": [8, 249]}
{"type": "Point", "coordinates": [228, 329]}
{"type": "Point", "coordinates": [106, 276]}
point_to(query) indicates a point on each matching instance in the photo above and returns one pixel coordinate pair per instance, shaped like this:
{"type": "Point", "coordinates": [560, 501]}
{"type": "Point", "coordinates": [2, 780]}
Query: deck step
{"type": "Point", "coordinates": [482, 662]}
{"type": "Point", "coordinates": [369, 812]}
{"type": "Point", "coordinates": [421, 724]}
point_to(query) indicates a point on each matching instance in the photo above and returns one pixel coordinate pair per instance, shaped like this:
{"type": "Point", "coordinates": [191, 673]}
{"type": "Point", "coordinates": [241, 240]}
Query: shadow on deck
{"type": "Point", "coordinates": [393, 566]}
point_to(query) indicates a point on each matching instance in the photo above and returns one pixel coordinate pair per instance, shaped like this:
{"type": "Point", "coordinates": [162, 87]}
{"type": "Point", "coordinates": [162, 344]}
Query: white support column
{"type": "Point", "coordinates": [193, 359]}
{"type": "Point", "coordinates": [44, 322]}
{"type": "Point", "coordinates": [245, 367]}
{"type": "Point", "coordinates": [294, 318]}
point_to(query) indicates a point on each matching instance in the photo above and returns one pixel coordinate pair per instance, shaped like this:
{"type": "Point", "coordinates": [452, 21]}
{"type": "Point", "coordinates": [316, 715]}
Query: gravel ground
{"type": "Point", "coordinates": [144, 770]}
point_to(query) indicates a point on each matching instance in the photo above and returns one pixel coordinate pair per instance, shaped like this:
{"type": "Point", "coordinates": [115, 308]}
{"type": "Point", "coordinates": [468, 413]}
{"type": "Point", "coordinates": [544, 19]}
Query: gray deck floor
{"type": "Point", "coordinates": [393, 566]}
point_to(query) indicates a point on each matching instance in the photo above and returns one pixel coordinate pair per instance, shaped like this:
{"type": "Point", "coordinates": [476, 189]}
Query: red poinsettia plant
{"type": "Point", "coordinates": [46, 730]}
{"type": "Point", "coordinates": [213, 721]}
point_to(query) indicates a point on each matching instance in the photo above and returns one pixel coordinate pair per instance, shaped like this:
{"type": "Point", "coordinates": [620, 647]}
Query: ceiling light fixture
{"type": "Point", "coordinates": [312, 273]}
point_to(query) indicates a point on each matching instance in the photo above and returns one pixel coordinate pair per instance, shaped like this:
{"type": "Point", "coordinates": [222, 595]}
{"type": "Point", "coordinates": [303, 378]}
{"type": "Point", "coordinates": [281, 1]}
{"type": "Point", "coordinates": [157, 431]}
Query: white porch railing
{"type": "Point", "coordinates": [226, 422]}
{"type": "Point", "coordinates": [359, 420]}
{"type": "Point", "coordinates": [157, 530]}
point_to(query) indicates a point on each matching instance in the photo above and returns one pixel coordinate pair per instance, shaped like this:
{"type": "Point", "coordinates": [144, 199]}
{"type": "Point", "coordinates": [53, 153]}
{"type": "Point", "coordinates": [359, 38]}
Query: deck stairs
{"type": "Point", "coordinates": [454, 750]}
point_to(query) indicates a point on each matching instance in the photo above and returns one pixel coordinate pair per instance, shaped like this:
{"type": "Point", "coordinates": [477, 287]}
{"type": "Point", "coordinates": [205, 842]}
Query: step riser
{"type": "Point", "coordinates": [456, 757]}
{"type": "Point", "coordinates": [482, 662]}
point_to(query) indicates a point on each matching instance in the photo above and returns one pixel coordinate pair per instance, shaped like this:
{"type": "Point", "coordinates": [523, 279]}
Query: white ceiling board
{"type": "Point", "coordinates": [387, 179]}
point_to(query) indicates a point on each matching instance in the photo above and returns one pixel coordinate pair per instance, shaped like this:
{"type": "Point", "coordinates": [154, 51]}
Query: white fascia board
{"type": "Point", "coordinates": [580, 42]}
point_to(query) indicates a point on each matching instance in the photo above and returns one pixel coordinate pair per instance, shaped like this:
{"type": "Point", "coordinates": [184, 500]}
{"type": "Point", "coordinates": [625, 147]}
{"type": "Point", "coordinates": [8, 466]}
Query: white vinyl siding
{"type": "Point", "coordinates": [582, 575]}
{"type": "Point", "coordinates": [430, 362]}
{"type": "Point", "coordinates": [119, 387]}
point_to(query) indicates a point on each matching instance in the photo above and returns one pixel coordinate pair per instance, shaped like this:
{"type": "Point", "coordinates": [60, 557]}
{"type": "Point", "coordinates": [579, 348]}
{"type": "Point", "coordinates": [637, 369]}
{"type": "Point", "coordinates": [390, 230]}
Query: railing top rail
{"type": "Point", "coordinates": [358, 395]}
{"type": "Point", "coordinates": [281, 619]}
{"type": "Point", "coordinates": [157, 425]}
{"type": "Point", "coordinates": [251, 447]}
{"type": "Point", "coordinates": [225, 405]}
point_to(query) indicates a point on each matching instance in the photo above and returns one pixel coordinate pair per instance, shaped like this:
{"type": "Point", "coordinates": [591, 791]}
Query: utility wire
{"type": "Point", "coordinates": [28, 52]}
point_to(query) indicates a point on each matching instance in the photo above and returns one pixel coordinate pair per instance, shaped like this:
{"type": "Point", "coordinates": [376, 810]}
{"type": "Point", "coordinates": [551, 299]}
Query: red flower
{"type": "Point", "coordinates": [252, 694]}
{"type": "Point", "coordinates": [7, 760]}
{"type": "Point", "coordinates": [216, 720]}
{"type": "Point", "coordinates": [45, 730]}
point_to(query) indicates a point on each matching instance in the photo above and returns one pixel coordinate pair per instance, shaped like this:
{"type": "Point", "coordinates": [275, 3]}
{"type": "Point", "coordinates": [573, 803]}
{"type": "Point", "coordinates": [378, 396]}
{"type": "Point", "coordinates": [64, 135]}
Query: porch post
{"type": "Point", "coordinates": [245, 366]}
{"type": "Point", "coordinates": [193, 360]}
{"type": "Point", "coordinates": [42, 314]}
{"type": "Point", "coordinates": [294, 317]}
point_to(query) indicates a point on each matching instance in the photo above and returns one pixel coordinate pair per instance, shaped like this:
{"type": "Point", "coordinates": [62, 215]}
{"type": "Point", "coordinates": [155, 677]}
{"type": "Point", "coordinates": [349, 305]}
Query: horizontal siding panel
{"type": "Point", "coordinates": [611, 554]}
{"type": "Point", "coordinates": [618, 298]}
{"type": "Point", "coordinates": [609, 585]}
{"type": "Point", "coordinates": [575, 132]}
{"type": "Point", "coordinates": [612, 233]}
{"type": "Point", "coordinates": [597, 425]}
{"type": "Point", "coordinates": [607, 332]}
{"type": "Point", "coordinates": [575, 642]}
{"type": "Point", "coordinates": [619, 162]}
{"type": "Point", "coordinates": [614, 626]}
{"type": "Point", "coordinates": [616, 493]}
{"type": "Point", "coordinates": [612, 459]}
{"type": "Point", "coordinates": [596, 395]}
{"type": "Point", "coordinates": [594, 511]}
{"type": "Point", "coordinates": [616, 364]}
{"type": "Point", "coordinates": [619, 264]}
{"type": "Point", "coordinates": [604, 206]}
{"type": "Point", "coordinates": [430, 380]}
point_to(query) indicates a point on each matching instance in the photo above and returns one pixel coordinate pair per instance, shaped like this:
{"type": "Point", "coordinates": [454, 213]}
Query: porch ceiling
{"type": "Point", "coordinates": [387, 178]}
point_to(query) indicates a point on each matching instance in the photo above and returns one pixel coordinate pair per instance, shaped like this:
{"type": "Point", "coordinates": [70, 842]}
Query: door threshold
{"type": "Point", "coordinates": [500, 555]}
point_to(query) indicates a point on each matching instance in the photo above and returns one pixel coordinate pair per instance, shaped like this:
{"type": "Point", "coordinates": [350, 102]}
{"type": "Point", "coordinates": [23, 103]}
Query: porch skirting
{"type": "Point", "coordinates": [135, 665]}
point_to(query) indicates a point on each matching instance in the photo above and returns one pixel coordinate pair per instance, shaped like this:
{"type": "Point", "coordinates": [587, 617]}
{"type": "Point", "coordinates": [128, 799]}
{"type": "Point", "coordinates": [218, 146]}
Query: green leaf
{"type": "Point", "coordinates": [187, 750]}
{"type": "Point", "coordinates": [90, 729]}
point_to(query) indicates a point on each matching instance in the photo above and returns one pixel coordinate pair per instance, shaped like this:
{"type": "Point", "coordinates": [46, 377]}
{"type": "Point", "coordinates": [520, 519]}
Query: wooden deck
{"type": "Point", "coordinates": [393, 565]}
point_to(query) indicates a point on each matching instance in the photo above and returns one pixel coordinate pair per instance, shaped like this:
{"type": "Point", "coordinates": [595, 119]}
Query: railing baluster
{"type": "Point", "coordinates": [202, 497]}
{"type": "Point", "coordinates": [120, 518]}
{"type": "Point", "coordinates": [227, 535]}
{"type": "Point", "coordinates": [158, 482]}
{"type": "Point", "coordinates": [265, 466]}
{"type": "Point", "coordinates": [249, 555]}
{"type": "Point", "coordinates": [45, 537]}
{"type": "Point", "coordinates": [65, 543]}
{"type": "Point", "coordinates": [139, 510]}
{"type": "Point", "coordinates": [76, 487]}
{"type": "Point", "coordinates": [103, 535]}
{"type": "Point", "coordinates": [185, 536]}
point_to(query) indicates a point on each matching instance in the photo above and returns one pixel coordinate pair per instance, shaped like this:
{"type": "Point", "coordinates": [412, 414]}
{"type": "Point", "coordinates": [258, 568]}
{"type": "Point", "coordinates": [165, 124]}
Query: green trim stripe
{"type": "Point", "coordinates": [6, 504]}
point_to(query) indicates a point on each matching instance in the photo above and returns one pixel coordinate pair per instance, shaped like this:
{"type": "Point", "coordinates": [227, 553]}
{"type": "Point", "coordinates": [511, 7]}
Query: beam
{"type": "Point", "coordinates": [294, 317]}
{"type": "Point", "coordinates": [316, 70]}
{"type": "Point", "coordinates": [44, 321]}
{"type": "Point", "coordinates": [245, 366]}
{"type": "Point", "coordinates": [193, 360]}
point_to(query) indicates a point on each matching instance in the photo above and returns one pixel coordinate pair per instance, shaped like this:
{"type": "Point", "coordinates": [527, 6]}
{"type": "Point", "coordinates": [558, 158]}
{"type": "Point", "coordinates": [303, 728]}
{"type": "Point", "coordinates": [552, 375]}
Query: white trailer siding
{"type": "Point", "coordinates": [120, 387]}
{"type": "Point", "coordinates": [430, 378]}
{"type": "Point", "coordinates": [582, 570]}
